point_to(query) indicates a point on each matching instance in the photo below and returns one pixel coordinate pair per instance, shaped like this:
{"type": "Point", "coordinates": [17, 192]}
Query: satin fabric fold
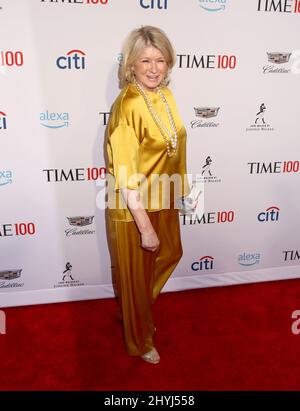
{"type": "Point", "coordinates": [137, 155]}
{"type": "Point", "coordinates": [139, 275]}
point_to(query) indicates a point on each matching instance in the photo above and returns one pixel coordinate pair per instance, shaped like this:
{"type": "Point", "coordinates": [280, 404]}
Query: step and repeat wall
{"type": "Point", "coordinates": [237, 86]}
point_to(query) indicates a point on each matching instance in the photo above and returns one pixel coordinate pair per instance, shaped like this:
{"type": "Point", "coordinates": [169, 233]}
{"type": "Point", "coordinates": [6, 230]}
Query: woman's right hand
{"type": "Point", "coordinates": [150, 241]}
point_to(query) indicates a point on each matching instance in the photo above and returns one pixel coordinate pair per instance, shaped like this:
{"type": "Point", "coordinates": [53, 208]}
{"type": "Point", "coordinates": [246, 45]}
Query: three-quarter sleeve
{"type": "Point", "coordinates": [124, 148]}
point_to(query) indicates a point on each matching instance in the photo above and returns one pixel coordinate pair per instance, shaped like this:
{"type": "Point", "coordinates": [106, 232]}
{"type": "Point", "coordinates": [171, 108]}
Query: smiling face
{"type": "Point", "coordinates": [150, 68]}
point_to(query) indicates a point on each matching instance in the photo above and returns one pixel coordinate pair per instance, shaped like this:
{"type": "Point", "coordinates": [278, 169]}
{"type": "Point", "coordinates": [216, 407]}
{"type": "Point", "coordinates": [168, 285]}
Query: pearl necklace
{"type": "Point", "coordinates": [170, 137]}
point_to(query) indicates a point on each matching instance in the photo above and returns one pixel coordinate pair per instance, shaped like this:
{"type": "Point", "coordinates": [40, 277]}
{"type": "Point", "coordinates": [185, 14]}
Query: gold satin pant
{"type": "Point", "coordinates": [139, 275]}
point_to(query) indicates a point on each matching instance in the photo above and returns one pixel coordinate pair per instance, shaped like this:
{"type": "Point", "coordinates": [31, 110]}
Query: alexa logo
{"type": "Point", "coordinates": [205, 263]}
{"type": "Point", "coordinates": [278, 62]}
{"type": "Point", "coordinates": [249, 259]}
{"type": "Point", "coordinates": [3, 122]}
{"type": "Point", "coordinates": [154, 4]}
{"type": "Point", "coordinates": [270, 215]}
{"type": "Point", "coordinates": [213, 5]}
{"type": "Point", "coordinates": [54, 120]}
{"type": "Point", "coordinates": [5, 177]}
{"type": "Point", "coordinates": [204, 116]}
{"type": "Point", "coordinates": [74, 59]}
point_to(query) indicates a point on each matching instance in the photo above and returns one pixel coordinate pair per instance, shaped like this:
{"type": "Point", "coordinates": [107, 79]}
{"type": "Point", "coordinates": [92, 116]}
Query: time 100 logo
{"type": "Point", "coordinates": [19, 229]}
{"type": "Point", "coordinates": [97, 1]}
{"type": "Point", "coordinates": [11, 58]}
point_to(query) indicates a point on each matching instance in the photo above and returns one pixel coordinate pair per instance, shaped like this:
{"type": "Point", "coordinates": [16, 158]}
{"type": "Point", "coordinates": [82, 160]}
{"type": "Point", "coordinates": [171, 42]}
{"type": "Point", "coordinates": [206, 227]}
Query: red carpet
{"type": "Point", "coordinates": [226, 338]}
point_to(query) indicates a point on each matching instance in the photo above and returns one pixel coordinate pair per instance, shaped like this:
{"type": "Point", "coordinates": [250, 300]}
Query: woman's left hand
{"type": "Point", "coordinates": [150, 241]}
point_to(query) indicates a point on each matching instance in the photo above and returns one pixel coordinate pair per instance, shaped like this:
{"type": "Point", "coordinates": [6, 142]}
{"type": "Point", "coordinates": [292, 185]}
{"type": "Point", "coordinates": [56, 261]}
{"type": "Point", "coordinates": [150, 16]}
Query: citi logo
{"type": "Point", "coordinates": [55, 175]}
{"type": "Point", "coordinates": [5, 177]}
{"type": "Point", "coordinates": [3, 124]}
{"type": "Point", "coordinates": [74, 59]}
{"type": "Point", "coordinates": [154, 4]}
{"type": "Point", "coordinates": [19, 229]}
{"type": "Point", "coordinates": [209, 61]}
{"type": "Point", "coordinates": [276, 167]}
{"type": "Point", "coordinates": [249, 259]}
{"type": "Point", "coordinates": [279, 6]}
{"type": "Point", "coordinates": [213, 5]}
{"type": "Point", "coordinates": [99, 2]}
{"type": "Point", "coordinates": [11, 58]}
{"type": "Point", "coordinates": [218, 217]}
{"type": "Point", "coordinates": [271, 214]}
{"type": "Point", "coordinates": [291, 255]}
{"type": "Point", "coordinates": [104, 117]}
{"type": "Point", "coordinates": [54, 120]}
{"type": "Point", "coordinates": [203, 264]}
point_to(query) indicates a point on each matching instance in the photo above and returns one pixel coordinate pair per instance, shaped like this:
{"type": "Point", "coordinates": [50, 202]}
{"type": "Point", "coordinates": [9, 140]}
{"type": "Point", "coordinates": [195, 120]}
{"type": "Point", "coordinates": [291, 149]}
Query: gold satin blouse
{"type": "Point", "coordinates": [137, 153]}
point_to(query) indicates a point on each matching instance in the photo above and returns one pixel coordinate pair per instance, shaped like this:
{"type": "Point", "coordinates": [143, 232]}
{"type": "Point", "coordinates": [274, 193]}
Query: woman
{"type": "Point", "coordinates": [145, 149]}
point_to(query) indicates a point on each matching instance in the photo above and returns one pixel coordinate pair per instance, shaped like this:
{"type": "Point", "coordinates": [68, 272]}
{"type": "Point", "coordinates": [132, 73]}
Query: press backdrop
{"type": "Point", "coordinates": [237, 85]}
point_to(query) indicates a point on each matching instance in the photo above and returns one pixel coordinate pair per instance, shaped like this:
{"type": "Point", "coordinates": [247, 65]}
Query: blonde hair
{"type": "Point", "coordinates": [137, 40]}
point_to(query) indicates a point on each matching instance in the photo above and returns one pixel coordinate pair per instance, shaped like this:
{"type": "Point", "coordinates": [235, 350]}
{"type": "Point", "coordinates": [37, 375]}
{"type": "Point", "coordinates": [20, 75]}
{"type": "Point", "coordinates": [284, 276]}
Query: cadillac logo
{"type": "Point", "coordinates": [279, 58]}
{"type": "Point", "coordinates": [10, 274]}
{"type": "Point", "coordinates": [80, 221]}
{"type": "Point", "coordinates": [206, 112]}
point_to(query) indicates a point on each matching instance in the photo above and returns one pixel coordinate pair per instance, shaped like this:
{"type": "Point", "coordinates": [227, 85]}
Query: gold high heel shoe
{"type": "Point", "coordinates": [152, 356]}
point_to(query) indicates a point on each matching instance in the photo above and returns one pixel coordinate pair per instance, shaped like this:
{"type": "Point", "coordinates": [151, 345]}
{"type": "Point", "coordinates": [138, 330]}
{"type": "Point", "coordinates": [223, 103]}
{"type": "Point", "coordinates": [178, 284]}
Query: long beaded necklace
{"type": "Point", "coordinates": [170, 137]}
